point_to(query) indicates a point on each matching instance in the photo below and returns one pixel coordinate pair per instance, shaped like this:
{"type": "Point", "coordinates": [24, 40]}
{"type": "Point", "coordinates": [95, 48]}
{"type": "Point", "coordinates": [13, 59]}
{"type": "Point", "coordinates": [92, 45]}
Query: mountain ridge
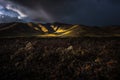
{"type": "Point", "coordinates": [56, 29]}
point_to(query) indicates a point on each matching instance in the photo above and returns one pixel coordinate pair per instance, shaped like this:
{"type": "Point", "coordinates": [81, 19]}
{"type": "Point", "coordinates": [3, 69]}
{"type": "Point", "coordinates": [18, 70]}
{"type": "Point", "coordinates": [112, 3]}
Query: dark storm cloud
{"type": "Point", "coordinates": [10, 13]}
{"type": "Point", "coordinates": [88, 12]}
{"type": "Point", "coordinates": [115, 1]}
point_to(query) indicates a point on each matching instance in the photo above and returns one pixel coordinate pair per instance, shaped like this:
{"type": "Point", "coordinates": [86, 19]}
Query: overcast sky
{"type": "Point", "coordinates": [87, 12]}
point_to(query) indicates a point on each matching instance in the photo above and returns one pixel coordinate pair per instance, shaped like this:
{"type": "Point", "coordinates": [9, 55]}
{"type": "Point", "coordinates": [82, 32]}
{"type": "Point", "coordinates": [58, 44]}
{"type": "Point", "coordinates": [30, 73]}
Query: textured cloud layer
{"type": "Point", "coordinates": [9, 12]}
{"type": "Point", "coordinates": [88, 12]}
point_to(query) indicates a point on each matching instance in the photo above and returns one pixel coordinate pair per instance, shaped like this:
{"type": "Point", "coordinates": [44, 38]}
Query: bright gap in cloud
{"type": "Point", "coordinates": [21, 15]}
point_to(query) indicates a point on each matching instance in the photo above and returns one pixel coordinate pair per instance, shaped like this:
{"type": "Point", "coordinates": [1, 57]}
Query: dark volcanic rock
{"type": "Point", "coordinates": [60, 59]}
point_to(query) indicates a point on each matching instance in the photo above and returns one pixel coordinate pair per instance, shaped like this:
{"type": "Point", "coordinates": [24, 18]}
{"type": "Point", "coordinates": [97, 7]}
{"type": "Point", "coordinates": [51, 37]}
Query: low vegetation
{"type": "Point", "coordinates": [59, 59]}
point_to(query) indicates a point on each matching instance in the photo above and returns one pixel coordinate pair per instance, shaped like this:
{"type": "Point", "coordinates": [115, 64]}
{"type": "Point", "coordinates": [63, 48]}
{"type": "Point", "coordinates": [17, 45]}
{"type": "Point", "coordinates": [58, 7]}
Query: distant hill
{"type": "Point", "coordinates": [56, 30]}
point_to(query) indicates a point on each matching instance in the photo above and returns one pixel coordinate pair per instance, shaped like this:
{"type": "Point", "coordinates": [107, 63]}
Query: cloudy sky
{"type": "Point", "coordinates": [87, 12]}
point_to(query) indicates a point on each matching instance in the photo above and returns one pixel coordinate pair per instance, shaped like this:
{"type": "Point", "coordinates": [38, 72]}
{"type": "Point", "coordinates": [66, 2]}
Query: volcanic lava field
{"type": "Point", "coordinates": [85, 58]}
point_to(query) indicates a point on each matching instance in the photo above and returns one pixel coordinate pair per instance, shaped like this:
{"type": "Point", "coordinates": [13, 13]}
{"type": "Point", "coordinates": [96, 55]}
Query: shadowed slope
{"type": "Point", "coordinates": [56, 30]}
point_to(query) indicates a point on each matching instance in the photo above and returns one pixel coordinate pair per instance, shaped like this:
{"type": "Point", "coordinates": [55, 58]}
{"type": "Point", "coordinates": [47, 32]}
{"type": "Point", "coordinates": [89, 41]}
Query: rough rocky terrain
{"type": "Point", "coordinates": [60, 59]}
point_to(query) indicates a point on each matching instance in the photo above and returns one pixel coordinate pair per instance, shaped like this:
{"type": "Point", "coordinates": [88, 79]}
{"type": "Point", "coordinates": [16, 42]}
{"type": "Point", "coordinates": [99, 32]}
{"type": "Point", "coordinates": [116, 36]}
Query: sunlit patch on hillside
{"type": "Point", "coordinates": [36, 28]}
{"type": "Point", "coordinates": [54, 27]}
{"type": "Point", "coordinates": [43, 28]}
{"type": "Point", "coordinates": [61, 32]}
{"type": "Point", "coordinates": [58, 31]}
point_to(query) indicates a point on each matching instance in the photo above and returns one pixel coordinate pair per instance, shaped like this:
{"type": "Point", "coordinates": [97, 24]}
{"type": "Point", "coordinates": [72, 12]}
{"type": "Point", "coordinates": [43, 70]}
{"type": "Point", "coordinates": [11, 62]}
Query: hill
{"type": "Point", "coordinates": [56, 30]}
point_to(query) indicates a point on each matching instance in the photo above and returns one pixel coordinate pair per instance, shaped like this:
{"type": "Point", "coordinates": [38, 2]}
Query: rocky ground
{"type": "Point", "coordinates": [60, 59]}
